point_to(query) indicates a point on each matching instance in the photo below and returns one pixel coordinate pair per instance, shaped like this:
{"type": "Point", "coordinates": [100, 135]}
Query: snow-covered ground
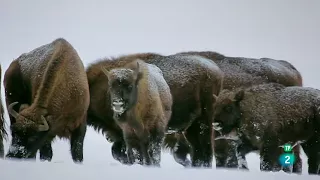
{"type": "Point", "coordinates": [54, 171]}
{"type": "Point", "coordinates": [287, 29]}
{"type": "Point", "coordinates": [99, 164]}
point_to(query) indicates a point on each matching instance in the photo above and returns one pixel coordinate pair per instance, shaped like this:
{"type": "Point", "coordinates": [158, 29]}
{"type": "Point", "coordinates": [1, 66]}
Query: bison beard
{"type": "Point", "coordinates": [270, 115]}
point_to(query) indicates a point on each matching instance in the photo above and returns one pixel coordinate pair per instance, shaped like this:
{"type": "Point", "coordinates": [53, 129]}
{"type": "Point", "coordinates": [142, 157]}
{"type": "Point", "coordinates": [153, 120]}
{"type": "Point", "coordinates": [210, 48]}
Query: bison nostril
{"type": "Point", "coordinates": [117, 103]}
{"type": "Point", "coordinates": [118, 106]}
{"type": "Point", "coordinates": [215, 124]}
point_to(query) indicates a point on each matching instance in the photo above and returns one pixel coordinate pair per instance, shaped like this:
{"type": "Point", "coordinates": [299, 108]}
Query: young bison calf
{"type": "Point", "coordinates": [270, 115]}
{"type": "Point", "coordinates": [141, 103]}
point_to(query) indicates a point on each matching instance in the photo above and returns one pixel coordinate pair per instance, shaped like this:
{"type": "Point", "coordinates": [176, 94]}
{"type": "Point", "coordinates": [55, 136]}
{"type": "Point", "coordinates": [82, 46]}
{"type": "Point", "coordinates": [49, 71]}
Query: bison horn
{"type": "Point", "coordinates": [12, 111]}
{"type": "Point", "coordinates": [44, 126]}
{"type": "Point", "coordinates": [137, 70]}
{"type": "Point", "coordinates": [105, 71]}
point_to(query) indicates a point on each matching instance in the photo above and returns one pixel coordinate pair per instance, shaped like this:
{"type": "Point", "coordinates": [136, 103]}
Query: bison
{"type": "Point", "coordinates": [269, 116]}
{"type": "Point", "coordinates": [48, 87]}
{"type": "Point", "coordinates": [3, 133]}
{"type": "Point", "coordinates": [192, 81]}
{"type": "Point", "coordinates": [141, 102]}
{"type": "Point", "coordinates": [238, 72]}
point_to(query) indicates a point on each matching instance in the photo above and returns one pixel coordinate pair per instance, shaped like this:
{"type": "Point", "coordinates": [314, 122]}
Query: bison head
{"type": "Point", "coordinates": [26, 131]}
{"type": "Point", "coordinates": [122, 83]}
{"type": "Point", "coordinates": [227, 112]}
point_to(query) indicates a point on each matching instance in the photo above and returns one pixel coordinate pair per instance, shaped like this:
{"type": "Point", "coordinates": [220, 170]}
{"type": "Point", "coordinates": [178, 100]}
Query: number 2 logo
{"type": "Point", "coordinates": [287, 161]}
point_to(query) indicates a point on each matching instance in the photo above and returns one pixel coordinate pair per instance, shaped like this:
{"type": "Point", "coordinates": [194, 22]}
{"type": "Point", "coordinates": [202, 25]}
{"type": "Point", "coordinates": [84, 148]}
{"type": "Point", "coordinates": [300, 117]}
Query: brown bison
{"type": "Point", "coordinates": [192, 81]}
{"type": "Point", "coordinates": [271, 115]}
{"type": "Point", "coordinates": [49, 88]}
{"type": "Point", "coordinates": [238, 72]}
{"type": "Point", "coordinates": [141, 102]}
{"type": "Point", "coordinates": [3, 132]}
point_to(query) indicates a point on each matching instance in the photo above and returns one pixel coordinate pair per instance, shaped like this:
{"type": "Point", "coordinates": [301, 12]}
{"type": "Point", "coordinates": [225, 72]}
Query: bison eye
{"type": "Point", "coordinates": [130, 87]}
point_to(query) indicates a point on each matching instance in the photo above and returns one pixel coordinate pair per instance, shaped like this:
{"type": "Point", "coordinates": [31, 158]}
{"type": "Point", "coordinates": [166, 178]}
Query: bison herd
{"type": "Point", "coordinates": [202, 104]}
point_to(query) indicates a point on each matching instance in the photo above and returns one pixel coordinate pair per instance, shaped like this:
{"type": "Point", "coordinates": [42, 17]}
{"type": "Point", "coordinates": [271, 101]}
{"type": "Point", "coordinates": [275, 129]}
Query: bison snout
{"type": "Point", "coordinates": [233, 135]}
{"type": "Point", "coordinates": [118, 106]}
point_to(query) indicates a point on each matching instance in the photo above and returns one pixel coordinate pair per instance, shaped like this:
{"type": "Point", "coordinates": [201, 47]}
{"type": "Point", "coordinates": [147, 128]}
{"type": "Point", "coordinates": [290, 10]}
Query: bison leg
{"type": "Point", "coordinates": [76, 143]}
{"type": "Point", "coordinates": [118, 151]}
{"type": "Point", "coordinates": [155, 147]}
{"type": "Point", "coordinates": [1, 148]}
{"type": "Point", "coordinates": [297, 167]}
{"type": "Point", "coordinates": [199, 136]}
{"type": "Point", "coordinates": [181, 151]}
{"type": "Point", "coordinates": [129, 141]}
{"type": "Point", "coordinates": [232, 154]}
{"type": "Point", "coordinates": [269, 155]}
{"type": "Point", "coordinates": [243, 148]}
{"type": "Point", "coordinates": [180, 156]}
{"type": "Point", "coordinates": [312, 150]}
{"type": "Point", "coordinates": [46, 152]}
{"type": "Point", "coordinates": [130, 155]}
{"type": "Point", "coordinates": [179, 147]}
{"type": "Point", "coordinates": [144, 148]}
{"type": "Point", "coordinates": [225, 154]}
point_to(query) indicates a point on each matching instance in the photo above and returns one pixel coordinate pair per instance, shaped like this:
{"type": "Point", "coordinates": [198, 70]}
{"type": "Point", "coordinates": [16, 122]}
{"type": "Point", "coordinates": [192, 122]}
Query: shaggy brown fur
{"type": "Point", "coordinates": [244, 72]}
{"type": "Point", "coordinates": [192, 81]}
{"type": "Point", "coordinates": [143, 97]}
{"type": "Point", "coordinates": [52, 80]}
{"type": "Point", "coordinates": [241, 72]}
{"type": "Point", "coordinates": [3, 132]}
{"type": "Point", "coordinates": [270, 115]}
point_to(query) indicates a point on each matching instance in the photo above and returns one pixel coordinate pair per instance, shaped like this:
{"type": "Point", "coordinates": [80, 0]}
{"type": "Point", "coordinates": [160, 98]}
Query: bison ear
{"type": "Point", "coordinates": [239, 96]}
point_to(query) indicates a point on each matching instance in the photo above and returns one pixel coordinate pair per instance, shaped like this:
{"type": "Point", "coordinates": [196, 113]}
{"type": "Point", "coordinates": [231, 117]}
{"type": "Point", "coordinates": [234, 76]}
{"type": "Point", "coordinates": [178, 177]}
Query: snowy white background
{"type": "Point", "coordinates": [286, 29]}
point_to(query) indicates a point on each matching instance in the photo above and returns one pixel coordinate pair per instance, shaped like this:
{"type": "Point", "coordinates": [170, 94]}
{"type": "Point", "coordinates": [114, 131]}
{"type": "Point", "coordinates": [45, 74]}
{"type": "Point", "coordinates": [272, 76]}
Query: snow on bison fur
{"type": "Point", "coordinates": [141, 102]}
{"type": "Point", "coordinates": [269, 116]}
{"type": "Point", "coordinates": [238, 72]}
{"type": "Point", "coordinates": [192, 81]}
{"type": "Point", "coordinates": [3, 132]}
{"type": "Point", "coordinates": [47, 95]}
